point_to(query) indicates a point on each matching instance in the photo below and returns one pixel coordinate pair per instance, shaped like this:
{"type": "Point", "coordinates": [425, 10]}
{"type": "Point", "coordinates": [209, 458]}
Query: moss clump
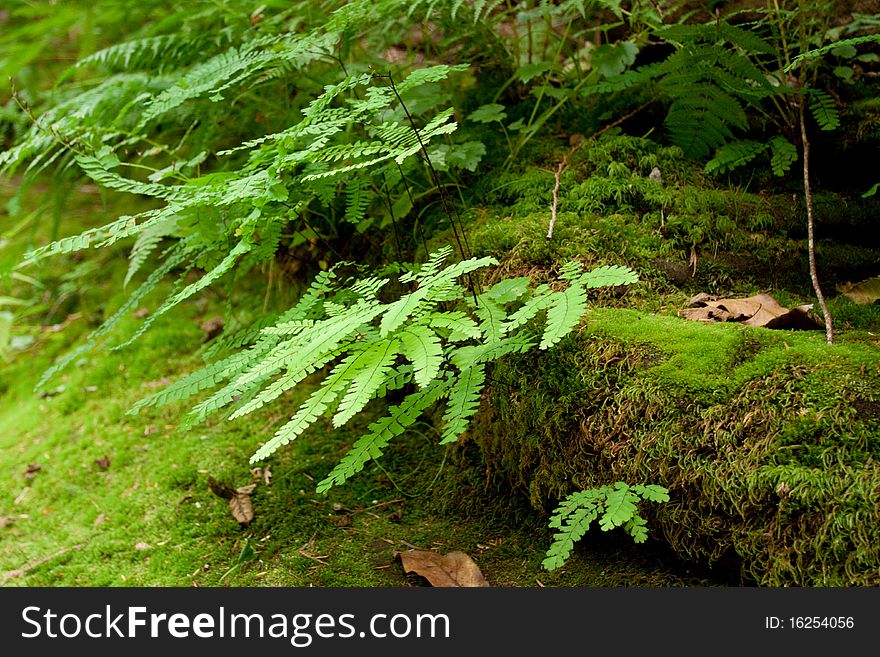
{"type": "Point", "coordinates": [768, 441]}
{"type": "Point", "coordinates": [685, 230]}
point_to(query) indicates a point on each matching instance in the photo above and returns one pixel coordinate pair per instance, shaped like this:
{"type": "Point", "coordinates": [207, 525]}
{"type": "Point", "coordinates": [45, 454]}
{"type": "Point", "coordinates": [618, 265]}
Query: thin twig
{"type": "Point", "coordinates": [573, 150]}
{"type": "Point", "coordinates": [553, 205]}
{"type": "Point", "coordinates": [811, 245]}
{"type": "Point", "coordinates": [24, 570]}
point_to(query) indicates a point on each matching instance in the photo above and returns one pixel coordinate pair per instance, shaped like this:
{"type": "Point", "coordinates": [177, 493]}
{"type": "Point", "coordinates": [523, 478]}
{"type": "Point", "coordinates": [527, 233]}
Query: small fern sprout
{"type": "Point", "coordinates": [614, 506]}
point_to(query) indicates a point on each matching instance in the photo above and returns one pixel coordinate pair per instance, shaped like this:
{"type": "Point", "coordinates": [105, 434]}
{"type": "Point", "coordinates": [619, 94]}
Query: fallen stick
{"type": "Point", "coordinates": [555, 198]}
{"type": "Point", "coordinates": [18, 572]}
{"type": "Point", "coordinates": [571, 152]}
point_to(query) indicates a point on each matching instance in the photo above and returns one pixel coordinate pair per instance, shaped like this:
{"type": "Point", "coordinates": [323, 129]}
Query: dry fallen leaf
{"type": "Point", "coordinates": [240, 505]}
{"type": "Point", "coordinates": [867, 291]}
{"type": "Point", "coordinates": [242, 509]}
{"type": "Point", "coordinates": [760, 310]}
{"type": "Point", "coordinates": [140, 547]}
{"type": "Point", "coordinates": [103, 463]}
{"type": "Point", "coordinates": [455, 569]}
{"type": "Point", "coordinates": [31, 470]}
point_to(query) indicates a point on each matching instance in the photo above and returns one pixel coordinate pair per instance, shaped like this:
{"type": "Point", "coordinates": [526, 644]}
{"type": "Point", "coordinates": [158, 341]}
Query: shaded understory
{"type": "Point", "coordinates": [767, 440]}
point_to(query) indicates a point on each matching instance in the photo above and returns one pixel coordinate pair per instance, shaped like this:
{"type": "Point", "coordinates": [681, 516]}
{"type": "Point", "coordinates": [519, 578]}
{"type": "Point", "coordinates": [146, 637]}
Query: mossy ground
{"type": "Point", "coordinates": [768, 440]}
{"type": "Point", "coordinates": [759, 435]}
{"type": "Point", "coordinates": [124, 498]}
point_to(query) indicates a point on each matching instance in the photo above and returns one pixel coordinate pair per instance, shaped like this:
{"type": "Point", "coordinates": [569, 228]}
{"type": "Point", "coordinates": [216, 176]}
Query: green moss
{"type": "Point", "coordinates": [767, 440]}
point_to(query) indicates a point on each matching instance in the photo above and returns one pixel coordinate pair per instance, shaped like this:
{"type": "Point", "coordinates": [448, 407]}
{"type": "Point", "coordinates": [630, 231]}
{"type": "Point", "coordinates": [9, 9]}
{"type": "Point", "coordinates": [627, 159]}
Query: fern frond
{"type": "Point", "coordinates": [492, 317]}
{"type": "Point", "coordinates": [541, 300]}
{"type": "Point", "coordinates": [173, 259]}
{"type": "Point", "coordinates": [734, 155]}
{"type": "Point", "coordinates": [222, 268]}
{"type": "Point", "coordinates": [464, 400]}
{"type": "Point", "coordinates": [315, 406]}
{"type": "Point", "coordinates": [357, 199]}
{"type": "Point", "coordinates": [784, 154]}
{"type": "Point", "coordinates": [608, 276]}
{"type": "Point", "coordinates": [460, 326]}
{"type": "Point", "coordinates": [565, 312]}
{"type": "Point", "coordinates": [824, 110]}
{"type": "Point", "coordinates": [421, 346]}
{"type": "Point", "coordinates": [147, 241]}
{"type": "Point", "coordinates": [373, 368]}
{"type": "Point", "coordinates": [381, 432]}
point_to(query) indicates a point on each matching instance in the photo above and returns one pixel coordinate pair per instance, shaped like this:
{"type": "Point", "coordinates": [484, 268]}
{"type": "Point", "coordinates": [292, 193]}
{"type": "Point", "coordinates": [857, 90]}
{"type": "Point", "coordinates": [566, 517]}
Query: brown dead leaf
{"type": "Point", "coordinates": [867, 291]}
{"type": "Point", "coordinates": [103, 463]}
{"type": "Point", "coordinates": [242, 508]}
{"type": "Point", "coordinates": [221, 489]}
{"type": "Point", "coordinates": [759, 310]}
{"type": "Point", "coordinates": [212, 328]}
{"type": "Point", "coordinates": [6, 521]}
{"type": "Point", "coordinates": [31, 470]}
{"type": "Point", "coordinates": [455, 569]}
{"type": "Point", "coordinates": [240, 505]}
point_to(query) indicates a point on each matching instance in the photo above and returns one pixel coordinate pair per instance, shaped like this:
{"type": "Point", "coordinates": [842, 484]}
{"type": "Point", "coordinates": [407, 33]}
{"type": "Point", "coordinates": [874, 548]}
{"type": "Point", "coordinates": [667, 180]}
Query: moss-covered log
{"type": "Point", "coordinates": [769, 441]}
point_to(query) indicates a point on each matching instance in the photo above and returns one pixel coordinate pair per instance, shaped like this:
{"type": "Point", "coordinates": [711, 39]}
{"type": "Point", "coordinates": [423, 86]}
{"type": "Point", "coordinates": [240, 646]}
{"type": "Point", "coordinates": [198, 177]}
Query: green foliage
{"type": "Point", "coordinates": [424, 337]}
{"type": "Point", "coordinates": [711, 80]}
{"type": "Point", "coordinates": [823, 110]}
{"type": "Point", "coordinates": [614, 506]}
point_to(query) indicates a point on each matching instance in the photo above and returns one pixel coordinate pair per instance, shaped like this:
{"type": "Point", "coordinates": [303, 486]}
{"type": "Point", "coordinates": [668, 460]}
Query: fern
{"type": "Point", "coordinates": [379, 346]}
{"type": "Point", "coordinates": [370, 446]}
{"type": "Point", "coordinates": [422, 347]}
{"type": "Point", "coordinates": [710, 80]}
{"type": "Point", "coordinates": [734, 155]}
{"type": "Point", "coordinates": [784, 154]}
{"type": "Point", "coordinates": [614, 506]}
{"type": "Point", "coordinates": [564, 314]}
{"type": "Point", "coordinates": [823, 109]}
{"type": "Point", "coordinates": [464, 399]}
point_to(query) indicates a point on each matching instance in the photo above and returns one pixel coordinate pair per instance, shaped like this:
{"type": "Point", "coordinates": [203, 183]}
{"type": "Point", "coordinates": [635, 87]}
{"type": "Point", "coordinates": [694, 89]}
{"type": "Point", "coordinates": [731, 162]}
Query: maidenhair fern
{"type": "Point", "coordinates": [614, 506]}
{"type": "Point", "coordinates": [435, 337]}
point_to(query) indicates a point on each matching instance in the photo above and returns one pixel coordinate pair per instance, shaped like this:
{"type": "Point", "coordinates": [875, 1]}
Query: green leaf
{"type": "Point", "coordinates": [464, 400]}
{"type": "Point", "coordinates": [824, 110]}
{"type": "Point", "coordinates": [492, 317]}
{"type": "Point", "coordinates": [381, 432]}
{"type": "Point", "coordinates": [619, 507]}
{"type": "Point", "coordinates": [466, 155]}
{"type": "Point", "coordinates": [613, 59]}
{"type": "Point", "coordinates": [461, 326]}
{"type": "Point", "coordinates": [421, 346]}
{"type": "Point", "coordinates": [564, 314]}
{"type": "Point", "coordinates": [372, 367]}
{"type": "Point", "coordinates": [488, 113]}
{"type": "Point", "coordinates": [608, 276]}
{"type": "Point", "coordinates": [527, 72]}
{"type": "Point", "coordinates": [734, 155]}
{"type": "Point", "coordinates": [784, 154]}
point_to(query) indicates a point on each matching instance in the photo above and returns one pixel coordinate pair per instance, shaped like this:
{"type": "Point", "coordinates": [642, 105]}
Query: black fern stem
{"type": "Point", "coordinates": [458, 231]}
{"type": "Point", "coordinates": [384, 180]}
{"type": "Point", "coordinates": [811, 245]}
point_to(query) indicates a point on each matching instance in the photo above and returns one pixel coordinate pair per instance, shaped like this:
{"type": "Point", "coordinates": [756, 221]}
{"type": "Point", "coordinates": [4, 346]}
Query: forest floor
{"type": "Point", "coordinates": [93, 496]}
